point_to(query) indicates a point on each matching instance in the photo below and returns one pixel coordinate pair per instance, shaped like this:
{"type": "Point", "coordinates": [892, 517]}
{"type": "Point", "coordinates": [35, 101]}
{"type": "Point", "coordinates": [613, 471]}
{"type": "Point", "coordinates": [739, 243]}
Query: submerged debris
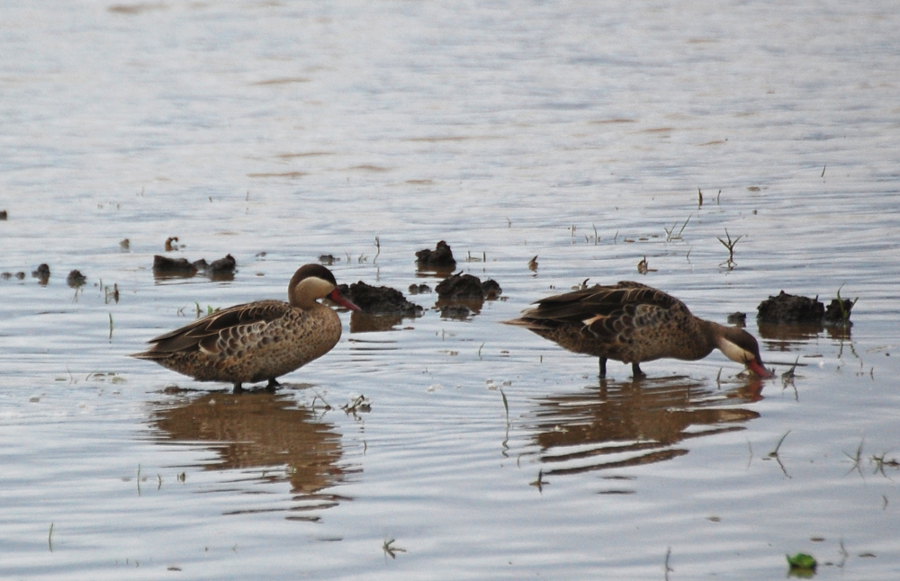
{"type": "Point", "coordinates": [380, 300]}
{"type": "Point", "coordinates": [419, 289]}
{"type": "Point", "coordinates": [441, 258]}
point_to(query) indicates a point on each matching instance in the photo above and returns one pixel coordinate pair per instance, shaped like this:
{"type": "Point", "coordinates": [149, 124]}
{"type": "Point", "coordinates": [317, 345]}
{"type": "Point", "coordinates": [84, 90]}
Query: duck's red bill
{"type": "Point", "coordinates": [340, 299]}
{"type": "Point", "coordinates": [759, 369]}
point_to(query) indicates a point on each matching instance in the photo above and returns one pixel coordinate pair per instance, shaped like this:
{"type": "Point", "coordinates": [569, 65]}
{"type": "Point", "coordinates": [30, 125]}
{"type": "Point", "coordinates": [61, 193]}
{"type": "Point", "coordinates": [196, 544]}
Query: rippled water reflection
{"type": "Point", "coordinates": [264, 436]}
{"type": "Point", "coordinates": [623, 424]}
{"type": "Point", "coordinates": [547, 145]}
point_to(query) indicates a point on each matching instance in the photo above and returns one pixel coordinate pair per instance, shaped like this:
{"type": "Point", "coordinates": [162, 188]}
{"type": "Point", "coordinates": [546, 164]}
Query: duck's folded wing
{"type": "Point", "coordinates": [599, 301]}
{"type": "Point", "coordinates": [205, 331]}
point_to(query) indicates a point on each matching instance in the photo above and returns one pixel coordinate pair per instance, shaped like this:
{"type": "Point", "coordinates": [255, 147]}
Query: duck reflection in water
{"type": "Point", "coordinates": [622, 424]}
{"type": "Point", "coordinates": [265, 435]}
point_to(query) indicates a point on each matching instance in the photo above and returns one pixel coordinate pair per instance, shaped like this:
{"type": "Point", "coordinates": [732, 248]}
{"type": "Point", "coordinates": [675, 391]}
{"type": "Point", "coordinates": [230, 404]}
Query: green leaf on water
{"type": "Point", "coordinates": [802, 561]}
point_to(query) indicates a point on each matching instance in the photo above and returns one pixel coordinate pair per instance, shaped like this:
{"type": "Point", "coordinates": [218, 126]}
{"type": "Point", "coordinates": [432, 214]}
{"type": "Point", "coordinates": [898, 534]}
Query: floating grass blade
{"type": "Point", "coordinates": [774, 453]}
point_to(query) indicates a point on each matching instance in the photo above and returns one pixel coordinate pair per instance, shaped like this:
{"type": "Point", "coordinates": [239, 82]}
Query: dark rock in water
{"type": "Point", "coordinates": [786, 308]}
{"type": "Point", "coordinates": [165, 266]}
{"type": "Point", "coordinates": [380, 300]}
{"type": "Point", "coordinates": [4, 215]}
{"type": "Point", "coordinates": [42, 273]}
{"type": "Point", "coordinates": [838, 312]}
{"type": "Point", "coordinates": [441, 258]}
{"type": "Point", "coordinates": [737, 318]}
{"type": "Point", "coordinates": [467, 286]}
{"type": "Point", "coordinates": [327, 259]}
{"type": "Point", "coordinates": [76, 279]}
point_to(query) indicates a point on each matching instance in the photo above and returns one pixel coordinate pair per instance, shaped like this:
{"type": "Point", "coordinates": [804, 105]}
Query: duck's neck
{"type": "Point", "coordinates": [704, 340]}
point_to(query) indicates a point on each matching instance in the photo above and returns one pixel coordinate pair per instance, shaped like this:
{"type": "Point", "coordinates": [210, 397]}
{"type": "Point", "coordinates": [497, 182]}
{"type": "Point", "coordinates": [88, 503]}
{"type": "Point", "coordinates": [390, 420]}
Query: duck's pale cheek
{"type": "Point", "coordinates": [735, 352]}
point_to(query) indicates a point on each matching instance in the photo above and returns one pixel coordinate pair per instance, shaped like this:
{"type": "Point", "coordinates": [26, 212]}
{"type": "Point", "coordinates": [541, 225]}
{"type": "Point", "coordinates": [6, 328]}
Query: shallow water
{"type": "Point", "coordinates": [279, 132]}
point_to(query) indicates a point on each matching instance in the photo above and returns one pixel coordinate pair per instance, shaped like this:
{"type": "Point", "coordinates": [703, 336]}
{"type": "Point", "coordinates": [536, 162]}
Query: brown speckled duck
{"type": "Point", "coordinates": [258, 340]}
{"type": "Point", "coordinates": [632, 323]}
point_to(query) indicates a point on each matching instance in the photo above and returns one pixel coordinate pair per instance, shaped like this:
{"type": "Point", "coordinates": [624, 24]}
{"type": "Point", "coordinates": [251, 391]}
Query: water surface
{"type": "Point", "coordinates": [590, 136]}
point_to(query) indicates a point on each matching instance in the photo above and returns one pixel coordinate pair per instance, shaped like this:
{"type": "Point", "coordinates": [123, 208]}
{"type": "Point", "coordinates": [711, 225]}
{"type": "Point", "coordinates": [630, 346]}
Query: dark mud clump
{"type": "Point", "coordinates": [467, 287]}
{"type": "Point", "coordinates": [837, 312]}
{"type": "Point", "coordinates": [4, 215]}
{"type": "Point", "coordinates": [42, 273]}
{"type": "Point", "coordinates": [221, 269]}
{"type": "Point", "coordinates": [419, 289]}
{"type": "Point", "coordinates": [441, 258]}
{"type": "Point", "coordinates": [76, 279]}
{"type": "Point", "coordinates": [786, 308]}
{"type": "Point", "coordinates": [738, 319]}
{"type": "Point", "coordinates": [462, 295]}
{"type": "Point", "coordinates": [163, 266]}
{"type": "Point", "coordinates": [380, 300]}
{"type": "Point", "coordinates": [491, 289]}
{"type": "Point", "coordinates": [794, 309]}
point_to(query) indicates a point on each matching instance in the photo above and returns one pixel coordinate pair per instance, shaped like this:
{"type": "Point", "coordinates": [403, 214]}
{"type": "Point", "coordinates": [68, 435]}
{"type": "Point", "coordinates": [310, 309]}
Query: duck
{"type": "Point", "coordinates": [632, 323]}
{"type": "Point", "coordinates": [260, 340]}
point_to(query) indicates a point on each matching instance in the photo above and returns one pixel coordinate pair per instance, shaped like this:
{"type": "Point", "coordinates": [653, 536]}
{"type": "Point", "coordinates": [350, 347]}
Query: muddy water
{"type": "Point", "coordinates": [584, 136]}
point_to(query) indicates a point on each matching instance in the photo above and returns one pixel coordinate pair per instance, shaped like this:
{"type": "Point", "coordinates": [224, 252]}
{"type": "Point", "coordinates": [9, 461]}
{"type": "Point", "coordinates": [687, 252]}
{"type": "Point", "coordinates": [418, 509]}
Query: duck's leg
{"type": "Point", "coordinates": [237, 387]}
{"type": "Point", "coordinates": [273, 384]}
{"type": "Point", "coordinates": [603, 367]}
{"type": "Point", "coordinates": [636, 370]}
